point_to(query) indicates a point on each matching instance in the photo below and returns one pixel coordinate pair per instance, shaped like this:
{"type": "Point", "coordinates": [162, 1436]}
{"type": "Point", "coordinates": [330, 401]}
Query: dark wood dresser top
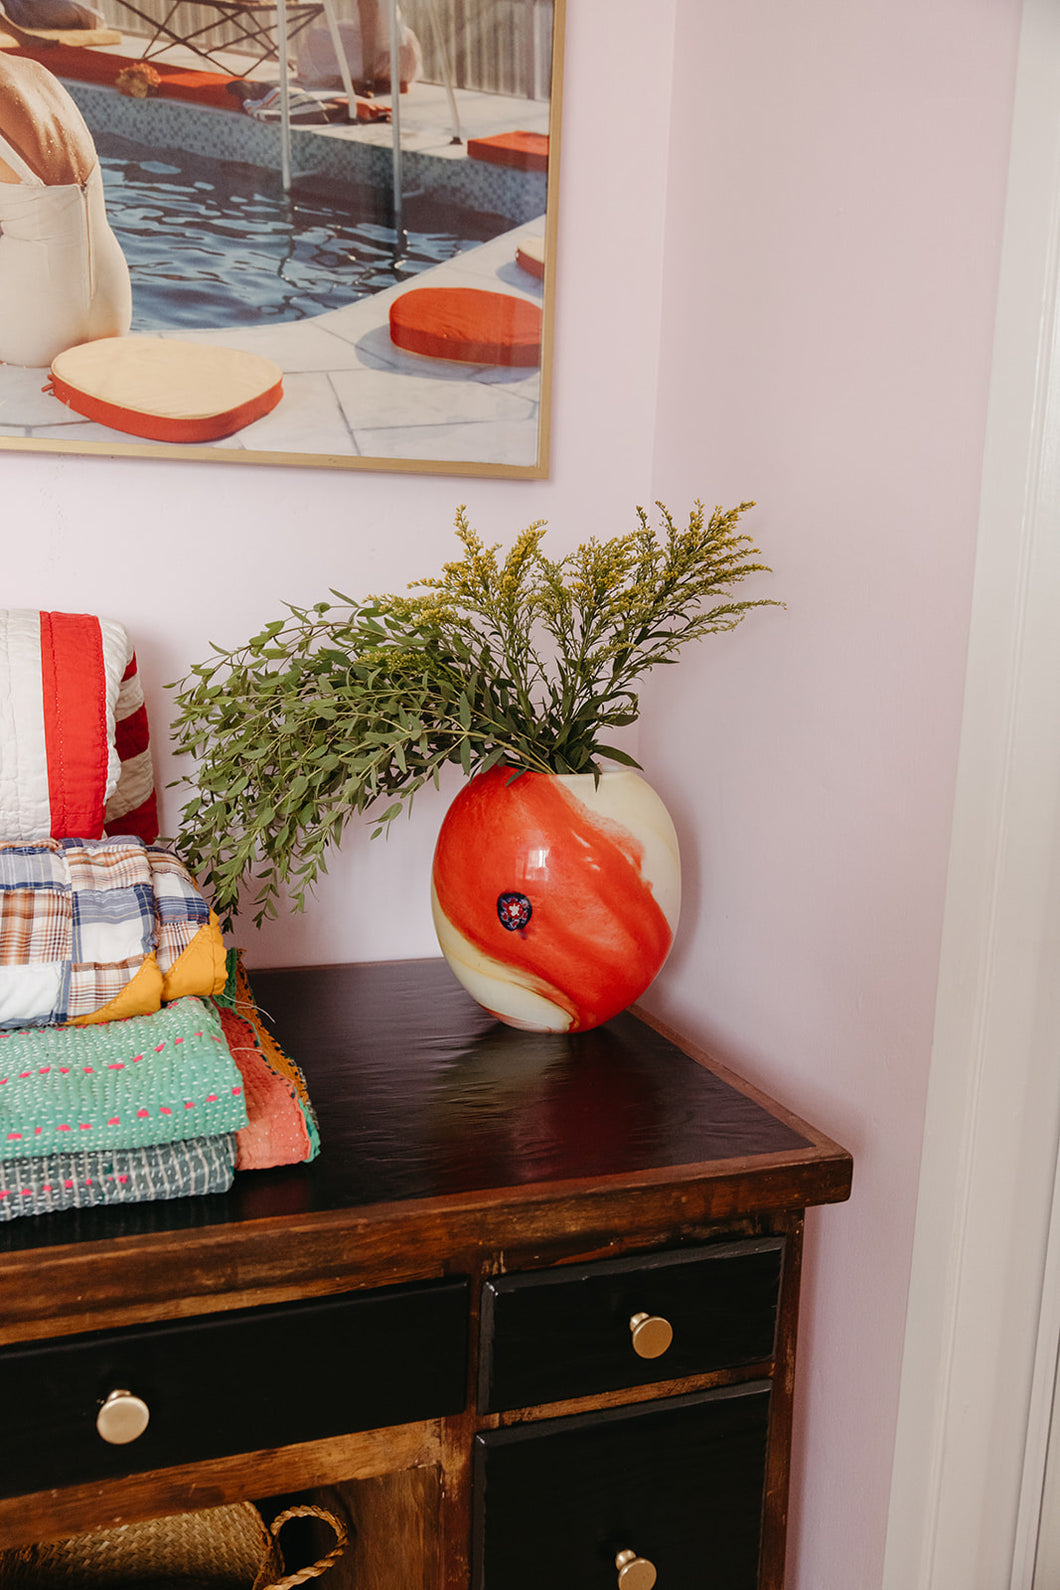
{"type": "Point", "coordinates": [441, 1311]}
{"type": "Point", "coordinates": [438, 1124]}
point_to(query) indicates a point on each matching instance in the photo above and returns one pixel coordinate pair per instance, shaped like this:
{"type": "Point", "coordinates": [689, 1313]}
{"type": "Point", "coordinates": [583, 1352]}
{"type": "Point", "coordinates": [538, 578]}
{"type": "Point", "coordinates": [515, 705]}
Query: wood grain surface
{"type": "Point", "coordinates": [453, 1147]}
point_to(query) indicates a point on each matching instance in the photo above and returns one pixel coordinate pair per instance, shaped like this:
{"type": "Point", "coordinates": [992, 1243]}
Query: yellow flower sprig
{"type": "Point", "coordinates": [518, 658]}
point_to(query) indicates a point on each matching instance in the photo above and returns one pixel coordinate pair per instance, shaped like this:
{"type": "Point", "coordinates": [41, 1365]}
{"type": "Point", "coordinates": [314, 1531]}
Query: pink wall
{"type": "Point", "coordinates": [812, 219]}
{"type": "Point", "coordinates": [835, 191]}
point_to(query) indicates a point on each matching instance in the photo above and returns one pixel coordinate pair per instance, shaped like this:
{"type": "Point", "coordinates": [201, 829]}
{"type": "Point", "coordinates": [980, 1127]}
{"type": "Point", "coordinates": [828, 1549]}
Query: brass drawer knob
{"type": "Point", "coordinates": [652, 1335]}
{"type": "Point", "coordinates": [634, 1573]}
{"type": "Point", "coordinates": [122, 1418]}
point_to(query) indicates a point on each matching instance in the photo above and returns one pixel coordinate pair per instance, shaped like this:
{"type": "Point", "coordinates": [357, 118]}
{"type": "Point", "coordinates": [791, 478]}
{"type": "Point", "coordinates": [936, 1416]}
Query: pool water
{"type": "Point", "coordinates": [219, 243]}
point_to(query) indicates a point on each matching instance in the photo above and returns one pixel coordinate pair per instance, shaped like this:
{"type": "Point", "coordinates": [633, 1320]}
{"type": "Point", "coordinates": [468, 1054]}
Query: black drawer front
{"type": "Point", "coordinates": [679, 1483]}
{"type": "Point", "coordinates": [566, 1333]}
{"type": "Point", "coordinates": [235, 1382]}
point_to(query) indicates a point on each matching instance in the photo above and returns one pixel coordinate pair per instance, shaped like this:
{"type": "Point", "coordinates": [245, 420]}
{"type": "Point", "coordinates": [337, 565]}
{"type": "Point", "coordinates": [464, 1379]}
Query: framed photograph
{"type": "Point", "coordinates": [229, 232]}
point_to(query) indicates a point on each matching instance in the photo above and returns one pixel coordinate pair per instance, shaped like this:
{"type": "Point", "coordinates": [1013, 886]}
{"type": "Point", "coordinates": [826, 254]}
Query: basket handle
{"type": "Point", "coordinates": [324, 1563]}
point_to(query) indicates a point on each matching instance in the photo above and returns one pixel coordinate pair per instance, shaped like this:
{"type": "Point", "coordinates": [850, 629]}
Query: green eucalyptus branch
{"type": "Point", "coordinates": [346, 706]}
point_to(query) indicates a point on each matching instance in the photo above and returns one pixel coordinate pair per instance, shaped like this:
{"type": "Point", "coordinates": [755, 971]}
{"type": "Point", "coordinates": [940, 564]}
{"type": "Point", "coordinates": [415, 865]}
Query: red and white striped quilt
{"type": "Point", "coordinates": [75, 758]}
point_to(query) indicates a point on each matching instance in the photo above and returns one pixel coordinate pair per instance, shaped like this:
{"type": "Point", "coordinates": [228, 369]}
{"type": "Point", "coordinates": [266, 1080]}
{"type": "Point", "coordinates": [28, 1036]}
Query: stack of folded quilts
{"type": "Point", "coordinates": [133, 1062]}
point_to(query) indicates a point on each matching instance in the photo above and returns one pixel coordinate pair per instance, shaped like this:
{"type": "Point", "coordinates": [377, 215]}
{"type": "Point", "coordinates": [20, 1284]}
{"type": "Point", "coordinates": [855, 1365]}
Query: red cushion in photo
{"type": "Point", "coordinates": [467, 324]}
{"type": "Point", "coordinates": [525, 151]}
{"type": "Point", "coordinates": [168, 391]}
{"type": "Point", "coordinates": [530, 255]}
{"type": "Point", "coordinates": [102, 66]}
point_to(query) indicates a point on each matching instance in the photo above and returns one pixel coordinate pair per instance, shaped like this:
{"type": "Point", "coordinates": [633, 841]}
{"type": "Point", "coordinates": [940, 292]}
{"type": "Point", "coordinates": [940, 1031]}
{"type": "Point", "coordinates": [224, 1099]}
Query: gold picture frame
{"type": "Point", "coordinates": [363, 386]}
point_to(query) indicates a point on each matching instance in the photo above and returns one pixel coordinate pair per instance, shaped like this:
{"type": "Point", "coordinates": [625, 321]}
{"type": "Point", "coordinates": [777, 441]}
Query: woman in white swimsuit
{"type": "Point", "coordinates": [63, 277]}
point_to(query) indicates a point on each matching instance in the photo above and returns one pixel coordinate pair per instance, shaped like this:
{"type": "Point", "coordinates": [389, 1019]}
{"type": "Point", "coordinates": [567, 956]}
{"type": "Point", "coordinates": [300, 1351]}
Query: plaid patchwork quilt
{"type": "Point", "coordinates": [80, 919]}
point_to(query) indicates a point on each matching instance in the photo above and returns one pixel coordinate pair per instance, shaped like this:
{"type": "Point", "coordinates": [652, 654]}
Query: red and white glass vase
{"type": "Point", "coordinates": [556, 895]}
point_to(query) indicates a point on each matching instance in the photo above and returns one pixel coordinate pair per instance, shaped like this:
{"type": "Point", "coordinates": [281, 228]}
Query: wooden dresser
{"type": "Point", "coordinates": [530, 1317]}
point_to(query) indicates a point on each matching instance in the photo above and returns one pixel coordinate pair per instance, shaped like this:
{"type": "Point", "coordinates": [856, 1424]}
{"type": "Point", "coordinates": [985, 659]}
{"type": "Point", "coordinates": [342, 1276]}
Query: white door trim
{"type": "Point", "coordinates": [969, 1451]}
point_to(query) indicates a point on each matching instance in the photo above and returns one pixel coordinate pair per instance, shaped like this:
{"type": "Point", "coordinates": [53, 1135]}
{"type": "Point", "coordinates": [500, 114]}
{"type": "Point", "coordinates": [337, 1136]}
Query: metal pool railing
{"type": "Point", "coordinates": [493, 46]}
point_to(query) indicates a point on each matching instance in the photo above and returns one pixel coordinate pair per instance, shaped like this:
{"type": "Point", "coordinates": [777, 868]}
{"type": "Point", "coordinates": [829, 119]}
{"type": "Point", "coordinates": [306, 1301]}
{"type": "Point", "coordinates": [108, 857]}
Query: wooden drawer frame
{"type": "Point", "coordinates": [249, 1378]}
{"type": "Point", "coordinates": [388, 1042]}
{"type": "Point", "coordinates": [567, 1333]}
{"type": "Point", "coordinates": [679, 1481]}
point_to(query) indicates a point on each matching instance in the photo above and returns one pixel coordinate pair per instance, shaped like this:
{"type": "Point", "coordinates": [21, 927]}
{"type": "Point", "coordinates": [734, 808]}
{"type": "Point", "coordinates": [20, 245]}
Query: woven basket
{"type": "Point", "coordinates": [222, 1548]}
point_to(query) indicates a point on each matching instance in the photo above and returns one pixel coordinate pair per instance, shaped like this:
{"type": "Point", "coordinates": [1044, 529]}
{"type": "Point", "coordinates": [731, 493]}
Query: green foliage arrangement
{"type": "Point", "coordinates": [523, 659]}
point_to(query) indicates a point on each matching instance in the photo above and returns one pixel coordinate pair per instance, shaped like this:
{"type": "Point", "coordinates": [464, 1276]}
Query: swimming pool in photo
{"type": "Point", "coordinates": [217, 243]}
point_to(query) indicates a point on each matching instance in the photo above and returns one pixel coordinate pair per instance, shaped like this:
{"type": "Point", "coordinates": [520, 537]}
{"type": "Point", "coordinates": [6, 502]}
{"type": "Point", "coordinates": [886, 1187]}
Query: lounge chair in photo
{"type": "Point", "coordinates": [26, 24]}
{"type": "Point", "coordinates": [249, 26]}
